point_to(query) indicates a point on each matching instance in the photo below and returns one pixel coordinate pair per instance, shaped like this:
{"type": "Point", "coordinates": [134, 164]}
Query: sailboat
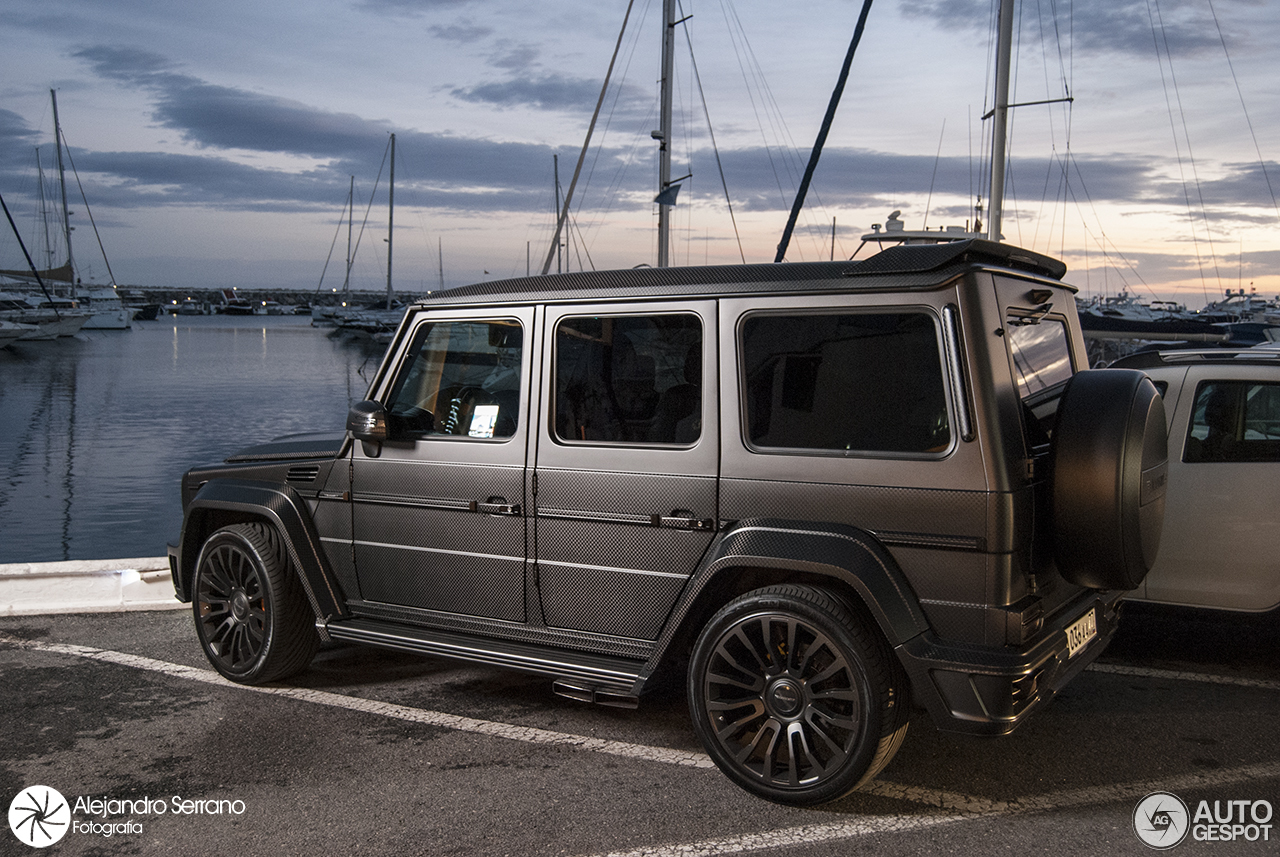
{"type": "Point", "coordinates": [100, 309]}
{"type": "Point", "coordinates": [382, 317]}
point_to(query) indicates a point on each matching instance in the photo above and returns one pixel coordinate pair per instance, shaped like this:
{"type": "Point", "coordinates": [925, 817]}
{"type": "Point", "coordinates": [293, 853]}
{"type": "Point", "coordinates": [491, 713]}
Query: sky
{"type": "Point", "coordinates": [216, 143]}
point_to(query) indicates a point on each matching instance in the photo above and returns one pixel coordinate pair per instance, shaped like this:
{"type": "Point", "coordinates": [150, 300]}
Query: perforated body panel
{"type": "Point", "coordinates": [419, 543]}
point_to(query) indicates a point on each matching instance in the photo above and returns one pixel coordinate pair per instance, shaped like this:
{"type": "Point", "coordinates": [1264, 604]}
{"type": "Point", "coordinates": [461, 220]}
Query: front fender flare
{"type": "Point", "coordinates": [287, 511]}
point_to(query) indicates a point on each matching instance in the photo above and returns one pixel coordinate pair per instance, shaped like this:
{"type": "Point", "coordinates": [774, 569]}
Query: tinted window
{"type": "Point", "coordinates": [848, 382]}
{"type": "Point", "coordinates": [1041, 355]}
{"type": "Point", "coordinates": [461, 378]}
{"type": "Point", "coordinates": [629, 379]}
{"type": "Point", "coordinates": [1234, 421]}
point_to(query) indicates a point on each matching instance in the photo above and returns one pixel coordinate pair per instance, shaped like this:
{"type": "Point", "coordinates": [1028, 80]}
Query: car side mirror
{"type": "Point", "coordinates": [367, 423]}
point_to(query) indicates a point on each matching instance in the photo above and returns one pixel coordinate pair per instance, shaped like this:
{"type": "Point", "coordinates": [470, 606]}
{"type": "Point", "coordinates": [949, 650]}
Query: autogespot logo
{"type": "Point", "coordinates": [1160, 819]}
{"type": "Point", "coordinates": [39, 816]}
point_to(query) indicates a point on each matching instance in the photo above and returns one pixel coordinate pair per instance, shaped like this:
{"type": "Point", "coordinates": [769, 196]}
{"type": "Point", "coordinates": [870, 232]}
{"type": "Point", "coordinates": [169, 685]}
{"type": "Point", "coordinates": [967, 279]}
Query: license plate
{"type": "Point", "coordinates": [1081, 631]}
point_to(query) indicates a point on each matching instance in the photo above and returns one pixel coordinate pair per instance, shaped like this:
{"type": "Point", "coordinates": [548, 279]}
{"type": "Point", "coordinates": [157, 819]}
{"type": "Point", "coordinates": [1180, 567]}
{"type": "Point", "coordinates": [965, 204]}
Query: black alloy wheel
{"type": "Point", "coordinates": [794, 698]}
{"type": "Point", "coordinates": [251, 616]}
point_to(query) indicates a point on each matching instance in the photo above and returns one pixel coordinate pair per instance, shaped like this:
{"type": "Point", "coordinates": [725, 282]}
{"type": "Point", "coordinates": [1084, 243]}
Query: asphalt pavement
{"type": "Point", "coordinates": [381, 752]}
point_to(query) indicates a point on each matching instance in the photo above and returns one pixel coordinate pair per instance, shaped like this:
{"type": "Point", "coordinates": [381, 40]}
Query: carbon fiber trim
{"type": "Point", "coordinates": [930, 540]}
{"type": "Point", "coordinates": [846, 554]}
{"type": "Point", "coordinates": [604, 644]}
{"type": "Point", "coordinates": [955, 519]}
{"type": "Point", "coordinates": [476, 584]}
{"type": "Point", "coordinates": [605, 566]}
{"type": "Point", "coordinates": [953, 620]}
{"type": "Point", "coordinates": [608, 601]}
{"type": "Point", "coordinates": [243, 457]}
{"type": "Point", "coordinates": [527, 658]}
{"type": "Point", "coordinates": [417, 502]}
{"type": "Point", "coordinates": [990, 690]}
{"type": "Point", "coordinates": [303, 473]}
{"type": "Point", "coordinates": [288, 513]}
{"type": "Point", "coordinates": [290, 447]}
{"type": "Point", "coordinates": [904, 267]}
{"type": "Point", "coordinates": [426, 535]}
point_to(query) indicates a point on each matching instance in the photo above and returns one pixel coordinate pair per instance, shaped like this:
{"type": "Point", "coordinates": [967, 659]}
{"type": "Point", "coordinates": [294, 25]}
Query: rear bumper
{"type": "Point", "coordinates": [985, 691]}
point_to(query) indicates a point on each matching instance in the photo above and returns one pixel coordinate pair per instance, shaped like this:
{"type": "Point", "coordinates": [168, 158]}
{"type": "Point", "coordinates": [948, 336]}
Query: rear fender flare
{"type": "Point", "coordinates": [849, 556]}
{"type": "Point", "coordinates": [280, 505]}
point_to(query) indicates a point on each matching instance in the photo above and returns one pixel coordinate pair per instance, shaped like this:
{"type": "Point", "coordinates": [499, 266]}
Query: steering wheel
{"type": "Point", "coordinates": [458, 410]}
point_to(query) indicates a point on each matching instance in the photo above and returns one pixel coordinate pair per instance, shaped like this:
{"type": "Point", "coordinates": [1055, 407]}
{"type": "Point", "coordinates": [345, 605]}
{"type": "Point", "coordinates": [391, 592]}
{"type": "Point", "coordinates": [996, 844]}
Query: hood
{"type": "Point", "coordinates": [291, 446]}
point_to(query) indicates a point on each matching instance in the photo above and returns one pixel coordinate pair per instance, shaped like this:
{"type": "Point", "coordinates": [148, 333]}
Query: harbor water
{"type": "Point", "coordinates": [97, 429]}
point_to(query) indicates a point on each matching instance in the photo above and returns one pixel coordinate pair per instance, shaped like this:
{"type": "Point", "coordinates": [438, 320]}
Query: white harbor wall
{"type": "Point", "coordinates": [87, 586]}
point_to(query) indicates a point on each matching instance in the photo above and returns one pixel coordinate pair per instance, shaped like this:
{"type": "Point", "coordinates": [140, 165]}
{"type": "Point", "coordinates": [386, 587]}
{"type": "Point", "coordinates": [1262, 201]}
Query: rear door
{"type": "Point", "coordinates": [627, 455]}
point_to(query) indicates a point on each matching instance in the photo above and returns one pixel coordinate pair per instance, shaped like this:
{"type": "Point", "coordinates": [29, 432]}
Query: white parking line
{"type": "Point", "coordinates": [1182, 675]}
{"type": "Point", "coordinates": [527, 734]}
{"type": "Point", "coordinates": [791, 836]}
{"type": "Point", "coordinates": [821, 833]}
{"type": "Point", "coordinates": [953, 806]}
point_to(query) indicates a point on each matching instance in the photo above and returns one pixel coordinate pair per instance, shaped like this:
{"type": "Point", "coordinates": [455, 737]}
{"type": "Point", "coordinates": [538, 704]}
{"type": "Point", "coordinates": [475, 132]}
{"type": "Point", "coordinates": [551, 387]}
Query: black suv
{"type": "Point", "coordinates": [815, 492]}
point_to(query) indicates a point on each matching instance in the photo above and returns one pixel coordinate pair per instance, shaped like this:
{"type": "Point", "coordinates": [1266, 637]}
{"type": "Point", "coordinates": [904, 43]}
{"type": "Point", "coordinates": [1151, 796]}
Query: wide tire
{"type": "Point", "coordinates": [251, 613]}
{"type": "Point", "coordinates": [1110, 470]}
{"type": "Point", "coordinates": [795, 697]}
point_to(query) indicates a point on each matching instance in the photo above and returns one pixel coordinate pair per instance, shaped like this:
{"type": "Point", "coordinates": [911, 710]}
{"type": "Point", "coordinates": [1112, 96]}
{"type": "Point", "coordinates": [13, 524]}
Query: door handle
{"type": "Point", "coordinates": [495, 506]}
{"type": "Point", "coordinates": [682, 519]}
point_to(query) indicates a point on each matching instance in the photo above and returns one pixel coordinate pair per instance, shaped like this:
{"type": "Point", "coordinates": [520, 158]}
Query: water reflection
{"type": "Point", "coordinates": [95, 431]}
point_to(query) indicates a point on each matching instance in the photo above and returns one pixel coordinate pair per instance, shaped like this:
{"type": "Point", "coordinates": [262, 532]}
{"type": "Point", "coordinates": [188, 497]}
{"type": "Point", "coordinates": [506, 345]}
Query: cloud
{"type": "Point", "coordinates": [513, 57]}
{"type": "Point", "coordinates": [855, 177]}
{"type": "Point", "coordinates": [459, 173]}
{"type": "Point", "coordinates": [14, 132]}
{"type": "Point", "coordinates": [410, 7]}
{"type": "Point", "coordinates": [550, 92]}
{"type": "Point", "coordinates": [464, 31]}
{"type": "Point", "coordinates": [209, 115]}
{"type": "Point", "coordinates": [1185, 27]}
{"type": "Point", "coordinates": [1245, 184]}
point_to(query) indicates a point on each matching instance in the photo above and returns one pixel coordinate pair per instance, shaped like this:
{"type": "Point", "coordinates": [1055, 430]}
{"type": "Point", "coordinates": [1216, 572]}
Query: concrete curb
{"type": "Point", "coordinates": [87, 586]}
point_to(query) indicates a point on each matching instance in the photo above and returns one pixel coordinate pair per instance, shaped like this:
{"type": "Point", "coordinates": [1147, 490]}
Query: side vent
{"type": "Point", "coordinates": [303, 473]}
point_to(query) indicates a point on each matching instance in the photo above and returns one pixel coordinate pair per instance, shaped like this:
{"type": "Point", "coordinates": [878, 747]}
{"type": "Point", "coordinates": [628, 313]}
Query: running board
{"type": "Point", "coordinates": [611, 679]}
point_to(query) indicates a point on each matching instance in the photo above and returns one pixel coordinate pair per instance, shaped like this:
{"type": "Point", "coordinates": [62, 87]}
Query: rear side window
{"type": "Point", "coordinates": [848, 382]}
{"type": "Point", "coordinates": [1041, 355]}
{"type": "Point", "coordinates": [629, 379]}
{"type": "Point", "coordinates": [1234, 421]}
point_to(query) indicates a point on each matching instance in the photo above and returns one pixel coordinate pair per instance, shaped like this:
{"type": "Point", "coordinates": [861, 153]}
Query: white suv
{"type": "Point", "coordinates": [1222, 521]}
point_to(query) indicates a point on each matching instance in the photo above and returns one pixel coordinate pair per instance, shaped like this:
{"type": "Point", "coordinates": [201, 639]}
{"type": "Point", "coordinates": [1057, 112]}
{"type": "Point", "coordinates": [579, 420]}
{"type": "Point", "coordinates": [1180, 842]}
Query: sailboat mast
{"type": "Point", "coordinates": [664, 131]}
{"type": "Point", "coordinates": [62, 183]}
{"type": "Point", "coordinates": [555, 170]}
{"type": "Point", "coordinates": [999, 135]}
{"type": "Point", "coordinates": [44, 215]}
{"type": "Point", "coordinates": [351, 216]}
{"type": "Point", "coordinates": [391, 215]}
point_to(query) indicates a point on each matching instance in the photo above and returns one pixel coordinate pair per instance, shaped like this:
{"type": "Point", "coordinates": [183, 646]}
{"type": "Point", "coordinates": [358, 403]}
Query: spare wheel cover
{"type": "Point", "coordinates": [1110, 470]}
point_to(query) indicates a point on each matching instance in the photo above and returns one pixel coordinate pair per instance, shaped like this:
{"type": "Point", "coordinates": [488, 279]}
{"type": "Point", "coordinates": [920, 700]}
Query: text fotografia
{"type": "Point", "coordinates": [111, 807]}
{"type": "Point", "coordinates": [109, 829]}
